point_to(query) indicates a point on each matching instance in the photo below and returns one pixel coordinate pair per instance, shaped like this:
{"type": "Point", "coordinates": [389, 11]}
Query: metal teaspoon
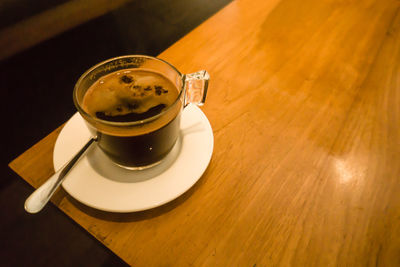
{"type": "Point", "coordinates": [39, 198]}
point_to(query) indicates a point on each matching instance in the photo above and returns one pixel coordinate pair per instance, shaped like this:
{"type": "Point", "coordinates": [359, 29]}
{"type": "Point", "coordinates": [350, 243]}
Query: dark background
{"type": "Point", "coordinates": [38, 85]}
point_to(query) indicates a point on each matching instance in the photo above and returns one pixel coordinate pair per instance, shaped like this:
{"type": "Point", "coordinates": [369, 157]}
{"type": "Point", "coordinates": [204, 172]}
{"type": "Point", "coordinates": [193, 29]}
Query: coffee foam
{"type": "Point", "coordinates": [132, 90]}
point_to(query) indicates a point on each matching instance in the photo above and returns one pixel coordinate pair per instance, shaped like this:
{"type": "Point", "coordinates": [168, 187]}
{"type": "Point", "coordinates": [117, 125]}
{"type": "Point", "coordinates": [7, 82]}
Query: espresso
{"type": "Point", "coordinates": [134, 95]}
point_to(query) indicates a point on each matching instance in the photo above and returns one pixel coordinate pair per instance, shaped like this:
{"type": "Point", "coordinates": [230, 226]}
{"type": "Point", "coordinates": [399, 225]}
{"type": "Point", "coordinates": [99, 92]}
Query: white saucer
{"type": "Point", "coordinates": [97, 182]}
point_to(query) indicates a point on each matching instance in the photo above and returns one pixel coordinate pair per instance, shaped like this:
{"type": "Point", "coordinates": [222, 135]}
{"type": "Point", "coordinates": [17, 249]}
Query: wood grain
{"type": "Point", "coordinates": [304, 104]}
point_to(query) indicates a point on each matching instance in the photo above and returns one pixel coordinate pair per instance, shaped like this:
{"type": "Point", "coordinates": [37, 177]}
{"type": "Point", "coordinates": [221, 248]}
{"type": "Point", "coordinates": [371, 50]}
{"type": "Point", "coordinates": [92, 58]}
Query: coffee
{"type": "Point", "coordinates": [129, 96]}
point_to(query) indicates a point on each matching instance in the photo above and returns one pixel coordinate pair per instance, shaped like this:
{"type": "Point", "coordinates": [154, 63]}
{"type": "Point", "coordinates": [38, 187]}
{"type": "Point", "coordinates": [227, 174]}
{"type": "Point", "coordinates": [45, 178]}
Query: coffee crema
{"type": "Point", "coordinates": [129, 95]}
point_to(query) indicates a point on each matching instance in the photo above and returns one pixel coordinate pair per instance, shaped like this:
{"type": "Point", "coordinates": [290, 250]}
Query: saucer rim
{"type": "Point", "coordinates": [196, 177]}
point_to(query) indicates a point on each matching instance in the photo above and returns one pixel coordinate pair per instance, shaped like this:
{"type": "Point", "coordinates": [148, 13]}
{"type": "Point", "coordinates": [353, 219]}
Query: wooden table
{"type": "Point", "coordinates": [304, 102]}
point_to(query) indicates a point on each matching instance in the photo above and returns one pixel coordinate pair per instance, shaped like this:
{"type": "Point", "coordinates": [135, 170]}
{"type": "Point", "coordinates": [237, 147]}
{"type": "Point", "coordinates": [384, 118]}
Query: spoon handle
{"type": "Point", "coordinates": [39, 198]}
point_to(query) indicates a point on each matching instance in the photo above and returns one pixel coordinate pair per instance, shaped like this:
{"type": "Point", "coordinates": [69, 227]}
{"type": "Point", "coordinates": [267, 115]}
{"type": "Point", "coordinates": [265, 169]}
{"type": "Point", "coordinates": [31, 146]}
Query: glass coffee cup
{"type": "Point", "coordinates": [132, 106]}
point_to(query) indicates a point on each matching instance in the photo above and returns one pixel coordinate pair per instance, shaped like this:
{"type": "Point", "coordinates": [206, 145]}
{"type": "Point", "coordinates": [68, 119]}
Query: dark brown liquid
{"type": "Point", "coordinates": [129, 96]}
{"type": "Point", "coordinates": [140, 150]}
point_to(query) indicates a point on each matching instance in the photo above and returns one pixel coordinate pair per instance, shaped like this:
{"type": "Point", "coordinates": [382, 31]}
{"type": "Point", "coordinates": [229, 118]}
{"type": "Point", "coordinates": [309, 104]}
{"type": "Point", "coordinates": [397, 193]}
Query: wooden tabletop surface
{"type": "Point", "coordinates": [304, 101]}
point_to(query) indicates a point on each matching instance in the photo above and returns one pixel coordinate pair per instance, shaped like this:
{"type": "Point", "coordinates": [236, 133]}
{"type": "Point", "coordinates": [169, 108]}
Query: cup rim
{"type": "Point", "coordinates": [130, 123]}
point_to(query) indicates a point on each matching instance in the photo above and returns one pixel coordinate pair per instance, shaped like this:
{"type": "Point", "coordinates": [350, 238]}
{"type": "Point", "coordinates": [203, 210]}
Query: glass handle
{"type": "Point", "coordinates": [196, 85]}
